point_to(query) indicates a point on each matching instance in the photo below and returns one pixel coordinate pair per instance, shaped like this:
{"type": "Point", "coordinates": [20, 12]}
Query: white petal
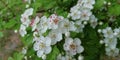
{"type": "Point", "coordinates": [80, 49]}
{"type": "Point", "coordinates": [77, 41]}
{"type": "Point", "coordinates": [40, 53]}
{"type": "Point", "coordinates": [48, 50]}
{"type": "Point", "coordinates": [47, 41]}
{"type": "Point", "coordinates": [36, 46]}
{"type": "Point", "coordinates": [29, 11]}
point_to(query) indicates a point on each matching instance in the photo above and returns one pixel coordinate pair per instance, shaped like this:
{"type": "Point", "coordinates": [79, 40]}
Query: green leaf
{"type": "Point", "coordinates": [10, 58]}
{"type": "Point", "coordinates": [18, 56]}
{"type": "Point", "coordinates": [114, 10]}
{"type": "Point", "coordinates": [53, 54]}
{"type": "Point", "coordinates": [27, 40]}
{"type": "Point", "coordinates": [99, 4]}
{"type": "Point", "coordinates": [10, 24]}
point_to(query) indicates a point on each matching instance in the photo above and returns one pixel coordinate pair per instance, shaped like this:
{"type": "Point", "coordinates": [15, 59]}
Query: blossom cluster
{"type": "Point", "coordinates": [82, 14]}
{"type": "Point", "coordinates": [25, 21]}
{"type": "Point", "coordinates": [49, 31]}
{"type": "Point", "coordinates": [55, 27]}
{"type": "Point", "coordinates": [110, 40]}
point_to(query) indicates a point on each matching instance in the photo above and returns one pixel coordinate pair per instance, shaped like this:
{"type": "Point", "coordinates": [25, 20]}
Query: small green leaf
{"type": "Point", "coordinates": [10, 58]}
{"type": "Point", "coordinates": [18, 56]}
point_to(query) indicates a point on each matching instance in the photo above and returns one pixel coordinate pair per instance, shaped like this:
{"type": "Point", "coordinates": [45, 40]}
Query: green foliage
{"type": "Point", "coordinates": [99, 4]}
{"type": "Point", "coordinates": [16, 56]}
{"type": "Point", "coordinates": [10, 24]}
{"type": "Point", "coordinates": [91, 44]}
{"type": "Point", "coordinates": [11, 10]}
{"type": "Point", "coordinates": [114, 10]}
{"type": "Point", "coordinates": [53, 54]}
{"type": "Point", "coordinates": [27, 40]}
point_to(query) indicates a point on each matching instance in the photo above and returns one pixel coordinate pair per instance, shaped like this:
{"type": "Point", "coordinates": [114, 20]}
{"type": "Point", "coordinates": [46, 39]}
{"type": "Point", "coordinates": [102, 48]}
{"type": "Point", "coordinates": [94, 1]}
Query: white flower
{"type": "Point", "coordinates": [88, 3]}
{"type": "Point", "coordinates": [73, 47]}
{"type": "Point", "coordinates": [117, 32]}
{"type": "Point", "coordinates": [22, 30]}
{"type": "Point", "coordinates": [25, 20]}
{"type": "Point", "coordinates": [85, 14]}
{"type": "Point", "coordinates": [66, 26]}
{"type": "Point", "coordinates": [93, 21]}
{"type": "Point", "coordinates": [34, 23]}
{"type": "Point", "coordinates": [75, 13]}
{"type": "Point", "coordinates": [28, 12]}
{"type": "Point", "coordinates": [54, 20]}
{"type": "Point", "coordinates": [55, 36]}
{"type": "Point", "coordinates": [108, 32]}
{"type": "Point", "coordinates": [42, 46]}
{"type": "Point", "coordinates": [112, 52]}
{"type": "Point", "coordinates": [25, 16]}
{"type": "Point", "coordinates": [79, 26]}
{"type": "Point", "coordinates": [111, 42]}
{"type": "Point", "coordinates": [43, 25]}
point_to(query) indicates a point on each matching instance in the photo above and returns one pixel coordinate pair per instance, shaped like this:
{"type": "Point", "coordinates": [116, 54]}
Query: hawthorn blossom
{"type": "Point", "coordinates": [54, 20]}
{"type": "Point", "coordinates": [110, 40]}
{"type": "Point", "coordinates": [112, 52]}
{"type": "Point", "coordinates": [73, 47]}
{"type": "Point", "coordinates": [43, 25]}
{"type": "Point", "coordinates": [66, 26]}
{"type": "Point", "coordinates": [75, 13]}
{"type": "Point", "coordinates": [79, 26]}
{"type": "Point", "coordinates": [93, 21]}
{"type": "Point", "coordinates": [55, 36]}
{"type": "Point", "coordinates": [88, 3]}
{"type": "Point", "coordinates": [85, 14]}
{"type": "Point", "coordinates": [34, 23]}
{"type": "Point", "coordinates": [42, 46]}
{"type": "Point", "coordinates": [25, 16]}
{"type": "Point", "coordinates": [108, 32]}
{"type": "Point", "coordinates": [22, 30]}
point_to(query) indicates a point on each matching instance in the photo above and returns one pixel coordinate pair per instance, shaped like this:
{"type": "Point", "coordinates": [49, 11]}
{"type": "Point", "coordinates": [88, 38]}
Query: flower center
{"type": "Point", "coordinates": [42, 45]}
{"type": "Point", "coordinates": [66, 25]}
{"type": "Point", "coordinates": [56, 21]}
{"type": "Point", "coordinates": [73, 46]}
